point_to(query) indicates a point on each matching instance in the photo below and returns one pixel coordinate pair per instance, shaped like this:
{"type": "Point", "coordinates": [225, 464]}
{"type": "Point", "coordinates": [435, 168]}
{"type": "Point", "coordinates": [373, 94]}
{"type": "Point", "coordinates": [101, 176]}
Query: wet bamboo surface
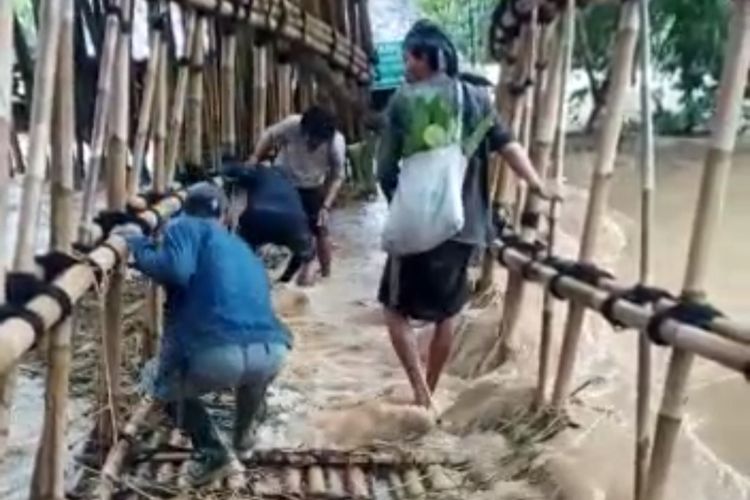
{"type": "Point", "coordinates": [151, 462]}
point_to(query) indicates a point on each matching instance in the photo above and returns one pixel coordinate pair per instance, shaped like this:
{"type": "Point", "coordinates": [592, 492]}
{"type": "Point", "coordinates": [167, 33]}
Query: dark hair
{"type": "Point", "coordinates": [317, 123]}
{"type": "Point", "coordinates": [426, 41]}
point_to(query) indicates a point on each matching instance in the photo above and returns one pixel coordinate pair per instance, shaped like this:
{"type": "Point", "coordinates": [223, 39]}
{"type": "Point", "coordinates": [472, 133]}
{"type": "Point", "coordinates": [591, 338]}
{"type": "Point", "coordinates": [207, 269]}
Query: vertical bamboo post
{"type": "Point", "coordinates": [260, 101]}
{"type": "Point", "coordinates": [600, 186]}
{"type": "Point", "coordinates": [527, 107]}
{"type": "Point", "coordinates": [648, 181]}
{"type": "Point", "coordinates": [541, 149]}
{"type": "Point", "coordinates": [117, 158]}
{"type": "Point", "coordinates": [194, 119]}
{"type": "Point", "coordinates": [177, 116]}
{"type": "Point", "coordinates": [145, 113]}
{"type": "Point", "coordinates": [708, 214]}
{"type": "Point", "coordinates": [501, 181]}
{"type": "Point", "coordinates": [101, 118]}
{"type": "Point", "coordinates": [39, 132]}
{"type": "Point", "coordinates": [161, 116]}
{"type": "Point", "coordinates": [558, 165]}
{"type": "Point", "coordinates": [49, 468]}
{"type": "Point", "coordinates": [6, 116]}
{"type": "Point", "coordinates": [229, 92]}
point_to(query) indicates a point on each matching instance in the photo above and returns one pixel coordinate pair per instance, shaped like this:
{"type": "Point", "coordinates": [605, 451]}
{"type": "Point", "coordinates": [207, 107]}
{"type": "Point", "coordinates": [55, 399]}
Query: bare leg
{"type": "Point", "coordinates": [440, 349]}
{"type": "Point", "coordinates": [406, 349]}
{"type": "Point", "coordinates": [324, 251]}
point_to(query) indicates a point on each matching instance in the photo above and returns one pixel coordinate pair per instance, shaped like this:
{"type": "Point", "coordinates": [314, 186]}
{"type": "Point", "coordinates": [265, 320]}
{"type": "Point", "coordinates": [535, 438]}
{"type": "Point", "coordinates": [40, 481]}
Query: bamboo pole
{"type": "Point", "coordinates": [229, 93]}
{"type": "Point", "coordinates": [260, 100]}
{"type": "Point", "coordinates": [558, 165]}
{"type": "Point", "coordinates": [49, 467]}
{"type": "Point", "coordinates": [648, 181]}
{"type": "Point", "coordinates": [39, 132]}
{"type": "Point", "coordinates": [284, 20]}
{"type": "Point", "coordinates": [600, 186]}
{"type": "Point", "coordinates": [194, 118]}
{"type": "Point", "coordinates": [101, 118]}
{"type": "Point", "coordinates": [117, 158]}
{"type": "Point", "coordinates": [6, 117]}
{"type": "Point", "coordinates": [145, 113]}
{"type": "Point", "coordinates": [177, 117]}
{"type": "Point", "coordinates": [707, 217]}
{"type": "Point", "coordinates": [156, 297]}
{"type": "Point", "coordinates": [541, 149]}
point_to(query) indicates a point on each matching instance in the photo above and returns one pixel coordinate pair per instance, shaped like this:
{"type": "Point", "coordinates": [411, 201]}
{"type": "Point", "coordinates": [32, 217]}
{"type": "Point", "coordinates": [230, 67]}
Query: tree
{"type": "Point", "coordinates": [465, 21]}
{"type": "Point", "coordinates": [690, 43]}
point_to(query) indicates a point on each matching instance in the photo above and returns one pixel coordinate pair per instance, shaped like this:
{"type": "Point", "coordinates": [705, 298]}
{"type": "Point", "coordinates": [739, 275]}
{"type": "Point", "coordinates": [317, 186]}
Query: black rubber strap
{"type": "Point", "coordinates": [9, 311]}
{"type": "Point", "coordinates": [512, 241]}
{"type": "Point", "coordinates": [639, 294]}
{"type": "Point", "coordinates": [62, 298]}
{"type": "Point", "coordinates": [692, 313]}
{"type": "Point", "coordinates": [530, 219]}
{"type": "Point", "coordinates": [586, 272]}
{"type": "Point", "coordinates": [183, 61]}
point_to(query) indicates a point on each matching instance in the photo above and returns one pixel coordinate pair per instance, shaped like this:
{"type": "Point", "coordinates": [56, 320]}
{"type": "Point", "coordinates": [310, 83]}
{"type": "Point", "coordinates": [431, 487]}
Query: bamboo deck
{"type": "Point", "coordinates": [151, 459]}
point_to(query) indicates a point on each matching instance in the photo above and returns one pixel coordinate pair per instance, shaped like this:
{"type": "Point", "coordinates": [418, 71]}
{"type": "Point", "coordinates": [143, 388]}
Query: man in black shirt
{"type": "Point", "coordinates": [273, 214]}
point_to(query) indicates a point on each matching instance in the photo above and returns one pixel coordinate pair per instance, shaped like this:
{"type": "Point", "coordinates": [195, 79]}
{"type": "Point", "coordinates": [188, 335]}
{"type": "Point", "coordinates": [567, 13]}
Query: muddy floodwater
{"type": "Point", "coordinates": [344, 387]}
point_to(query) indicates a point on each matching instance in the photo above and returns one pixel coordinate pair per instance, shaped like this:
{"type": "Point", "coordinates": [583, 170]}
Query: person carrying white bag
{"type": "Point", "coordinates": [433, 169]}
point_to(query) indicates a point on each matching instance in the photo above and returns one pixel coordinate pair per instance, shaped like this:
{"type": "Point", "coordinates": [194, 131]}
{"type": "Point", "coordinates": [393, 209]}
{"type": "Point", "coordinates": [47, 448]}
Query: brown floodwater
{"type": "Point", "coordinates": [713, 457]}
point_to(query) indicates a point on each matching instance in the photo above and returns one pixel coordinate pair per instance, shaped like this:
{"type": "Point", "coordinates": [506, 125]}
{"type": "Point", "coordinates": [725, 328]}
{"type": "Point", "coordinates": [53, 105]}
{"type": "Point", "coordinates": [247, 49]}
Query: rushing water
{"type": "Point", "coordinates": [713, 460]}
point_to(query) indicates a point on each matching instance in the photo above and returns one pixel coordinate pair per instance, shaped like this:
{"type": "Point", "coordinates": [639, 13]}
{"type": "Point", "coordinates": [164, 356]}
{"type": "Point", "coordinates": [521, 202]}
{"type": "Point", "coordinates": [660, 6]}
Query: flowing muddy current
{"type": "Point", "coordinates": [344, 387]}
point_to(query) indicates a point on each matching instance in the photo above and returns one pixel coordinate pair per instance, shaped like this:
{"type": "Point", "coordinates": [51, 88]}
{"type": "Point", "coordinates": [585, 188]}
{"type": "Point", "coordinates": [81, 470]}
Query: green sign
{"type": "Point", "coordinates": [389, 72]}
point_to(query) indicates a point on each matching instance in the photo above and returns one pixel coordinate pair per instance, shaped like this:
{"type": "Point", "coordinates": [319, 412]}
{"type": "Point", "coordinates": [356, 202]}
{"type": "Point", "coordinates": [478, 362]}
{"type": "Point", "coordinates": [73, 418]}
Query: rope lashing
{"type": "Point", "coordinates": [639, 294]}
{"type": "Point", "coordinates": [586, 272]}
{"type": "Point", "coordinates": [696, 314]}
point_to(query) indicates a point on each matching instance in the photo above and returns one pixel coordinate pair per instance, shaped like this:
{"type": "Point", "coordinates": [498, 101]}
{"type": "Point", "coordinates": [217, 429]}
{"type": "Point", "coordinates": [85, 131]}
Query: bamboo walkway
{"type": "Point", "coordinates": [150, 460]}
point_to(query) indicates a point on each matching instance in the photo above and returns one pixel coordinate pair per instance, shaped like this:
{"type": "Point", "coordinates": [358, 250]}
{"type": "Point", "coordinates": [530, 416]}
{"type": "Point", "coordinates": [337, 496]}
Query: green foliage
{"type": "Point", "coordinates": [465, 21]}
{"type": "Point", "coordinates": [690, 42]}
{"type": "Point", "coordinates": [432, 123]}
{"type": "Point", "coordinates": [688, 39]}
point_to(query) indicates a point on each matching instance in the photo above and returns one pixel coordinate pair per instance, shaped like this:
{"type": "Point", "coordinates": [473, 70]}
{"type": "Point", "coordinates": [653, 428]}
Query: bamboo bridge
{"type": "Point", "coordinates": [218, 72]}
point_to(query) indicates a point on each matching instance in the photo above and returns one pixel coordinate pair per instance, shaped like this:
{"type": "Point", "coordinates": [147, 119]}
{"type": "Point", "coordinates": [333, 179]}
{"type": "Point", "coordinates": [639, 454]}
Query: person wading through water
{"type": "Point", "coordinates": [432, 286]}
{"type": "Point", "coordinates": [220, 328]}
{"type": "Point", "coordinates": [312, 154]}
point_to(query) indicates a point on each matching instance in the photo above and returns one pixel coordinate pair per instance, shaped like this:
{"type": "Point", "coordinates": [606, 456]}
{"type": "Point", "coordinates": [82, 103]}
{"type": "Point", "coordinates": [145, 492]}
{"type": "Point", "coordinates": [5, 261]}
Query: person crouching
{"type": "Point", "coordinates": [220, 329]}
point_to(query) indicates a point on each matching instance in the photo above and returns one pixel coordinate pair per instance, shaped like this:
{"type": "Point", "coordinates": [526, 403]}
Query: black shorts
{"type": "Point", "coordinates": [261, 227]}
{"type": "Point", "coordinates": [312, 202]}
{"type": "Point", "coordinates": [431, 286]}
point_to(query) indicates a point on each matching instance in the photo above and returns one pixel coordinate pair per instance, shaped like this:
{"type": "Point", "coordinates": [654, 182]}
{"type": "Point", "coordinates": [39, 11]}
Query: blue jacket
{"type": "Point", "coordinates": [217, 289]}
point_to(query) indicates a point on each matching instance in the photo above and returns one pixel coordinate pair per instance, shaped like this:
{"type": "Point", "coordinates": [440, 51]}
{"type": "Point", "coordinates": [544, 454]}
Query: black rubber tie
{"type": "Point", "coordinates": [9, 311]}
{"type": "Point", "coordinates": [582, 271]}
{"type": "Point", "coordinates": [639, 294]}
{"type": "Point", "coordinates": [62, 298]}
{"type": "Point", "coordinates": [692, 313]}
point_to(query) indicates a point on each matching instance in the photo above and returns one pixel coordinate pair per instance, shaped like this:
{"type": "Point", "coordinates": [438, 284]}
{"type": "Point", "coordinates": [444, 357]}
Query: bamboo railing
{"type": "Point", "coordinates": [715, 338]}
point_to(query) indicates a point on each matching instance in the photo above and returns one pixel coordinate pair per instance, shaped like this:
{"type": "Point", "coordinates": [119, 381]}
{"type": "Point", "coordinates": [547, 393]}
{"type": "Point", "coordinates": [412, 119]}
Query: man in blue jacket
{"type": "Point", "coordinates": [220, 328]}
